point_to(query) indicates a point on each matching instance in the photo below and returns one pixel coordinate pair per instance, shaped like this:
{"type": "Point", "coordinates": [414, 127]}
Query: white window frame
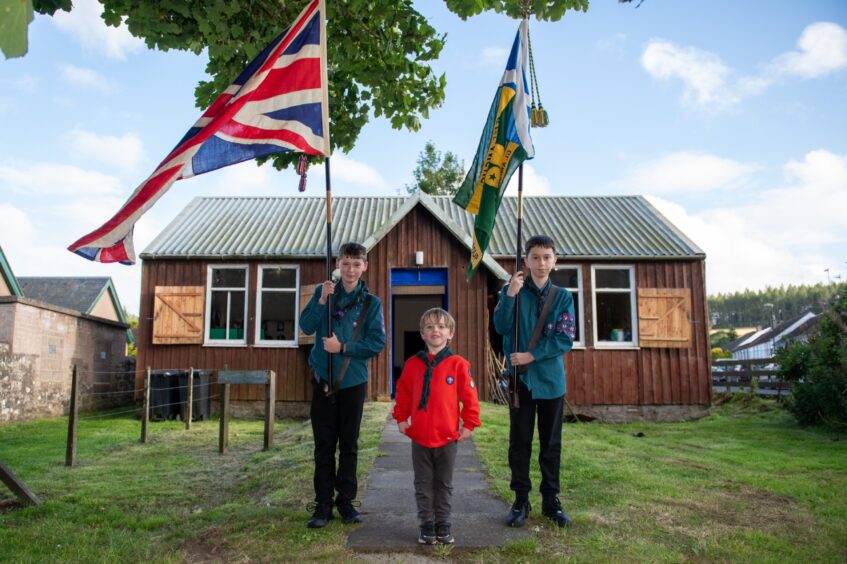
{"type": "Point", "coordinates": [633, 304]}
{"type": "Point", "coordinates": [580, 294]}
{"type": "Point", "coordinates": [289, 343]}
{"type": "Point", "coordinates": [225, 342]}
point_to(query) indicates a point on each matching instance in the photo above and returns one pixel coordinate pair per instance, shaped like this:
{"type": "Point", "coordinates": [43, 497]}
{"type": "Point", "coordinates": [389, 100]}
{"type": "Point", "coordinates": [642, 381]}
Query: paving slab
{"type": "Point", "coordinates": [390, 514]}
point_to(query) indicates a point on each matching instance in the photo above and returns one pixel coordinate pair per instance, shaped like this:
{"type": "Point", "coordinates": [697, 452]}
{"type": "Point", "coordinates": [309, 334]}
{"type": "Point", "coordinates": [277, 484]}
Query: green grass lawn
{"type": "Point", "coordinates": [745, 484]}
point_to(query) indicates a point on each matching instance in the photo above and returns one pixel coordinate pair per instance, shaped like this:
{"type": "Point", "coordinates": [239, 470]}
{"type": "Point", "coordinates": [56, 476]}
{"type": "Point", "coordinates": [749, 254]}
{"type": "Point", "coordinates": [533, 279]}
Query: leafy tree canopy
{"type": "Point", "coordinates": [437, 175]}
{"type": "Point", "coordinates": [379, 53]}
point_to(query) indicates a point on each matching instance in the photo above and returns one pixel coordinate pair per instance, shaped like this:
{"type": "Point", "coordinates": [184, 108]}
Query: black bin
{"type": "Point", "coordinates": [164, 394]}
{"type": "Point", "coordinates": [201, 410]}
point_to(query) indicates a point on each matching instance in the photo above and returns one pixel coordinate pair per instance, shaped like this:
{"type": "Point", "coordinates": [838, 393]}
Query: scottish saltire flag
{"type": "Point", "coordinates": [278, 104]}
{"type": "Point", "coordinates": [504, 145]}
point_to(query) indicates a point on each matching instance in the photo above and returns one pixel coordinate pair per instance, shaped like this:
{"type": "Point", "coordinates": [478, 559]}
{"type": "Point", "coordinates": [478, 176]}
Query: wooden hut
{"type": "Point", "coordinates": [223, 284]}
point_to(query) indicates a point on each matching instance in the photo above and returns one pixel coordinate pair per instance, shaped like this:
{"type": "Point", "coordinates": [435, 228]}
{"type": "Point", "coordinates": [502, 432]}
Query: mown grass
{"type": "Point", "coordinates": [744, 484]}
{"type": "Point", "coordinates": [174, 499]}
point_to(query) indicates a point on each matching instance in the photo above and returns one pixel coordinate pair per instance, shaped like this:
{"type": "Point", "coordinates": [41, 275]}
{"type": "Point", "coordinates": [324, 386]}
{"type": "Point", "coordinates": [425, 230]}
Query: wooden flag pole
{"type": "Point", "coordinates": [330, 388]}
{"type": "Point", "coordinates": [516, 402]}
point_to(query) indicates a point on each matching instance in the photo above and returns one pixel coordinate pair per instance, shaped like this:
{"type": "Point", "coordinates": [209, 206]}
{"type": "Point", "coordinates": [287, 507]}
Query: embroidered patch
{"type": "Point", "coordinates": [472, 384]}
{"type": "Point", "coordinates": [450, 380]}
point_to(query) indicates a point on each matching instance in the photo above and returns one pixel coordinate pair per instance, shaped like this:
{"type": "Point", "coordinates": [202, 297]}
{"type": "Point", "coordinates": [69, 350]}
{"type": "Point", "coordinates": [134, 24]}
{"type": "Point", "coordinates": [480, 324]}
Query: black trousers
{"type": "Point", "coordinates": [521, 427]}
{"type": "Point", "coordinates": [434, 480]}
{"type": "Point", "coordinates": [335, 424]}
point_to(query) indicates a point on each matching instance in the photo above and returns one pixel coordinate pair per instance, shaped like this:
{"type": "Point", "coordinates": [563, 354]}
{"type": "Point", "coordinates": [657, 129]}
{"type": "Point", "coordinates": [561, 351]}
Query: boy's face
{"type": "Point", "coordinates": [351, 269]}
{"type": "Point", "coordinates": [436, 333]}
{"type": "Point", "coordinates": [540, 261]}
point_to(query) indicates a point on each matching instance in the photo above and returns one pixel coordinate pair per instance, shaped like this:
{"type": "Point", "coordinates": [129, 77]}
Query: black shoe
{"type": "Point", "coordinates": [519, 512]}
{"type": "Point", "coordinates": [553, 510]}
{"type": "Point", "coordinates": [347, 510]}
{"type": "Point", "coordinates": [443, 534]}
{"type": "Point", "coordinates": [427, 533]}
{"type": "Point", "coordinates": [321, 515]}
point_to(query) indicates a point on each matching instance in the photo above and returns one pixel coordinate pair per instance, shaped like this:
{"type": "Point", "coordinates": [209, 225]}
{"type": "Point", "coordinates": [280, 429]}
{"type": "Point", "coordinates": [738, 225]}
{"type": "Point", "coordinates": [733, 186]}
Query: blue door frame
{"type": "Point", "coordinates": [412, 277]}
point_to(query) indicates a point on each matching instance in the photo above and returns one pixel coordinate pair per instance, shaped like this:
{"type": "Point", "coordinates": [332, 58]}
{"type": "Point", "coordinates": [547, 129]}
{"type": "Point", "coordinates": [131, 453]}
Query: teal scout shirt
{"type": "Point", "coordinates": [545, 377]}
{"type": "Point", "coordinates": [347, 309]}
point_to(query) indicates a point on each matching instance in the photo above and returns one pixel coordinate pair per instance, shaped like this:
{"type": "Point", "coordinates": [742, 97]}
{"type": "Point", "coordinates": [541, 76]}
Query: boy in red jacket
{"type": "Point", "coordinates": [429, 390]}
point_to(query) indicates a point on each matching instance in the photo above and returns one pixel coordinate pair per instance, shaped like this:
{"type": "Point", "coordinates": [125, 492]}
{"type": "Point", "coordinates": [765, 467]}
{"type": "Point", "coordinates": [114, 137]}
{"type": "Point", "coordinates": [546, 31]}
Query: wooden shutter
{"type": "Point", "coordinates": [664, 317]}
{"type": "Point", "coordinates": [306, 293]}
{"type": "Point", "coordinates": [178, 315]}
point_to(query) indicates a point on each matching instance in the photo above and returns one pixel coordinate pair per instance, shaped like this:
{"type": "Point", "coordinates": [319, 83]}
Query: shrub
{"type": "Point", "coordinates": [819, 369]}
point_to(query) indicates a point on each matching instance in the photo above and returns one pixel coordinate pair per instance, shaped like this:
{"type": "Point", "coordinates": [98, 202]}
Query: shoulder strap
{"type": "Point", "coordinates": [360, 323]}
{"type": "Point", "coordinates": [542, 318]}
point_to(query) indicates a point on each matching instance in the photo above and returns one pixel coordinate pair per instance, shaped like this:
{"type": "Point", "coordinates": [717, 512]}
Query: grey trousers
{"type": "Point", "coordinates": [434, 480]}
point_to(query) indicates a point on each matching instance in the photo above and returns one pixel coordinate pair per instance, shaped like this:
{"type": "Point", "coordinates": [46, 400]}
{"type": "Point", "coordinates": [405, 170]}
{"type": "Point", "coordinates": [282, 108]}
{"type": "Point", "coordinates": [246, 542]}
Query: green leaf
{"type": "Point", "coordinates": [15, 16]}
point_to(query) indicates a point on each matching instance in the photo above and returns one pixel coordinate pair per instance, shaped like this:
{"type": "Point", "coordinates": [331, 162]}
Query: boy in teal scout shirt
{"type": "Point", "coordinates": [336, 417]}
{"type": "Point", "coordinates": [541, 374]}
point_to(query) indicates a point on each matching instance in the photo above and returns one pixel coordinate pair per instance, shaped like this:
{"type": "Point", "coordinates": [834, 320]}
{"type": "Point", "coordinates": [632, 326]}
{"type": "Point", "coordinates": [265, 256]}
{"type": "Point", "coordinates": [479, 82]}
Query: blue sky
{"type": "Point", "coordinates": [729, 116]}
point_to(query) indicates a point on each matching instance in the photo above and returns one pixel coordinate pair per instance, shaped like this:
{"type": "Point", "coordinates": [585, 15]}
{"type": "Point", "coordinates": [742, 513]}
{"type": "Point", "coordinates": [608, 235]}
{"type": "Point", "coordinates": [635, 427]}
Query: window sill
{"type": "Point", "coordinates": [617, 346]}
{"type": "Point", "coordinates": [225, 344]}
{"type": "Point", "coordinates": [272, 345]}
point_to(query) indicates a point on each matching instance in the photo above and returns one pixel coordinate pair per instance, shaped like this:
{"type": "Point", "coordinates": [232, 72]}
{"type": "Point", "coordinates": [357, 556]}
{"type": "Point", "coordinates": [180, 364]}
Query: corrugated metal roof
{"type": "Point", "coordinates": [621, 227]}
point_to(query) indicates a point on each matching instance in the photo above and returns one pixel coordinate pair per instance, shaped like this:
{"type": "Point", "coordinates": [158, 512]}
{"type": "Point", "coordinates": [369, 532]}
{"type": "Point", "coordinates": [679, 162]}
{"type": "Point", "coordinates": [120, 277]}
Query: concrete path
{"type": "Point", "coordinates": [390, 514]}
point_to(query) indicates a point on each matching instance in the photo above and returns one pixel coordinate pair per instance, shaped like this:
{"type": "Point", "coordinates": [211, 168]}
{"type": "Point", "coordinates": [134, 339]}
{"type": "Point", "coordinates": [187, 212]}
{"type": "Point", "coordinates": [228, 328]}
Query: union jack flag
{"type": "Point", "coordinates": [278, 104]}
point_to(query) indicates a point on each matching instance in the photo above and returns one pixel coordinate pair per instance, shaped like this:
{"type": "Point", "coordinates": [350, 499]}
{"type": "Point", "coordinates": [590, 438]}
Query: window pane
{"type": "Point", "coordinates": [612, 278]}
{"type": "Point", "coordinates": [236, 315]}
{"type": "Point", "coordinates": [577, 315]}
{"type": "Point", "coordinates": [565, 278]}
{"type": "Point", "coordinates": [279, 278]}
{"type": "Point", "coordinates": [278, 310]}
{"type": "Point", "coordinates": [614, 317]}
{"type": "Point", "coordinates": [217, 316]}
{"type": "Point", "coordinates": [228, 277]}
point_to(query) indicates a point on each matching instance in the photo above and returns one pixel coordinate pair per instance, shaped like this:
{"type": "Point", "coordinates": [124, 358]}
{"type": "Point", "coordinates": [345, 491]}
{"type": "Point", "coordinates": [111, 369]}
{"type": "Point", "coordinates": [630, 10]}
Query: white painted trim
{"type": "Point", "coordinates": [257, 322]}
{"type": "Point", "coordinates": [225, 342]}
{"type": "Point", "coordinates": [633, 304]}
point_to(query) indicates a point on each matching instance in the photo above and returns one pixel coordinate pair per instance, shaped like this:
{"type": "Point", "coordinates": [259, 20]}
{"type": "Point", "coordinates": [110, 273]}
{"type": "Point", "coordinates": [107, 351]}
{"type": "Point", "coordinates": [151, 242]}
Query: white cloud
{"type": "Point", "coordinates": [703, 74]}
{"type": "Point", "coordinates": [614, 43]}
{"type": "Point", "coordinates": [124, 152]}
{"type": "Point", "coordinates": [710, 85]}
{"type": "Point", "coordinates": [84, 23]}
{"type": "Point", "coordinates": [687, 171]}
{"type": "Point", "coordinates": [533, 183]}
{"type": "Point", "coordinates": [821, 49]}
{"type": "Point", "coordinates": [495, 55]}
{"type": "Point", "coordinates": [778, 239]}
{"type": "Point", "coordinates": [86, 78]}
{"type": "Point", "coordinates": [56, 179]}
{"type": "Point", "coordinates": [360, 179]}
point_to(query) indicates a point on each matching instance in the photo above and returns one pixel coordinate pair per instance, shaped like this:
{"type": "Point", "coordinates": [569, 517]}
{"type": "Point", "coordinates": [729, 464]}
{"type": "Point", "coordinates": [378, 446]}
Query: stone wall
{"type": "Point", "coordinates": [39, 345]}
{"type": "Point", "coordinates": [631, 413]}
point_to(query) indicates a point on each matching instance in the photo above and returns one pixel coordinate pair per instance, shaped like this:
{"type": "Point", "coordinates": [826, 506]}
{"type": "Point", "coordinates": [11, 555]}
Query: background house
{"type": "Point", "coordinates": [48, 325]}
{"type": "Point", "coordinates": [764, 342]}
{"type": "Point", "coordinates": [223, 284]}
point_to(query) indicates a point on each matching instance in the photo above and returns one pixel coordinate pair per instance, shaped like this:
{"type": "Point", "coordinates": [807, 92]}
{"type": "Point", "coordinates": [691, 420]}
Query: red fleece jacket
{"type": "Point", "coordinates": [451, 383]}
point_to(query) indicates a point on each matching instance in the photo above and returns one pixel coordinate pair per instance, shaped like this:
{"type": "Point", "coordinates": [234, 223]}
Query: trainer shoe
{"type": "Point", "coordinates": [427, 535]}
{"type": "Point", "coordinates": [321, 515]}
{"type": "Point", "coordinates": [553, 510]}
{"type": "Point", "coordinates": [347, 510]}
{"type": "Point", "coordinates": [443, 534]}
{"type": "Point", "coordinates": [519, 512]}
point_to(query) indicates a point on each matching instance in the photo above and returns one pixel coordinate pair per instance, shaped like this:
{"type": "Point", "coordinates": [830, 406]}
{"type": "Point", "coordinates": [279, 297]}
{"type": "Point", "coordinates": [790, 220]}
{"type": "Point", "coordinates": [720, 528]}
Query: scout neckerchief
{"type": "Point", "coordinates": [543, 304]}
{"type": "Point", "coordinates": [430, 367]}
{"type": "Point", "coordinates": [359, 292]}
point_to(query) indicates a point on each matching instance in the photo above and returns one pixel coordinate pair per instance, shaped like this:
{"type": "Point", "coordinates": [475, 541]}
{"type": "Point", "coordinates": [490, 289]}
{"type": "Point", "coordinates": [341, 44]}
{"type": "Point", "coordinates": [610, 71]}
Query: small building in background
{"type": "Point", "coordinates": [764, 342]}
{"type": "Point", "coordinates": [223, 286]}
{"type": "Point", "coordinates": [47, 326]}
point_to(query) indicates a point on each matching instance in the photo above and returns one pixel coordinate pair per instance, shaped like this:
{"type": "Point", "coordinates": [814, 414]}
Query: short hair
{"type": "Point", "coordinates": [437, 314]}
{"type": "Point", "coordinates": [540, 241]}
{"type": "Point", "coordinates": [353, 250]}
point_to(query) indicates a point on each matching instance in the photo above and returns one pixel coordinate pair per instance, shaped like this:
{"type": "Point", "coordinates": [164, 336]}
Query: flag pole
{"type": "Point", "coordinates": [516, 403]}
{"type": "Point", "coordinates": [330, 388]}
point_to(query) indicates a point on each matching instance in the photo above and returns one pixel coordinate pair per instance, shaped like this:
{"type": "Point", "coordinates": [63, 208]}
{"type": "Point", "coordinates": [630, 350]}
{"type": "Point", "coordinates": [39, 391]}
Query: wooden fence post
{"type": "Point", "coordinates": [223, 435]}
{"type": "Point", "coordinates": [145, 412]}
{"type": "Point", "coordinates": [190, 399]}
{"type": "Point", "coordinates": [270, 406]}
{"type": "Point", "coordinates": [70, 452]}
{"type": "Point", "coordinates": [18, 488]}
